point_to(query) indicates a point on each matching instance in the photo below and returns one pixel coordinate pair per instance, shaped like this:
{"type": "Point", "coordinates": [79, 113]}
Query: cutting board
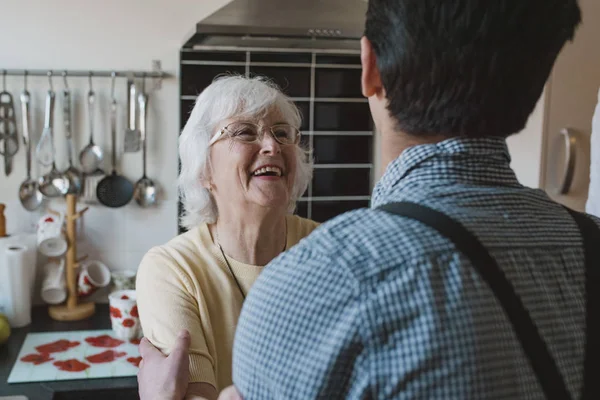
{"type": "Point", "coordinates": [57, 356]}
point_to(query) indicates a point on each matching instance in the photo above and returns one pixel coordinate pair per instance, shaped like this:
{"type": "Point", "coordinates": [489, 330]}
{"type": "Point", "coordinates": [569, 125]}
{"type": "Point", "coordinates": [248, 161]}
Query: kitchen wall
{"type": "Point", "coordinates": [126, 34]}
{"type": "Point", "coordinates": [102, 35]}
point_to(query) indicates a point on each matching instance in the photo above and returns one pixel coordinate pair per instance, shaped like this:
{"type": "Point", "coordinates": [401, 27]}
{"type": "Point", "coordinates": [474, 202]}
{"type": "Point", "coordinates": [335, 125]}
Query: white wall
{"type": "Point", "coordinates": [526, 147]}
{"type": "Point", "coordinates": [102, 35]}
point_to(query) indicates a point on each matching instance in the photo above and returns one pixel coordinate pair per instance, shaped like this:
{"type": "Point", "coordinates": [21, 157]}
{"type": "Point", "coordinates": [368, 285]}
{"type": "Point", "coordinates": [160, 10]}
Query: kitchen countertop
{"type": "Point", "coordinates": [113, 388]}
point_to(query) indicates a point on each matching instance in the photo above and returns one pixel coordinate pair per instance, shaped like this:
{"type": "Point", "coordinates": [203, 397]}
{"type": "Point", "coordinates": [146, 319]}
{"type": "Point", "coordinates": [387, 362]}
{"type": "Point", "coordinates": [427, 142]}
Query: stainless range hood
{"type": "Point", "coordinates": [336, 24]}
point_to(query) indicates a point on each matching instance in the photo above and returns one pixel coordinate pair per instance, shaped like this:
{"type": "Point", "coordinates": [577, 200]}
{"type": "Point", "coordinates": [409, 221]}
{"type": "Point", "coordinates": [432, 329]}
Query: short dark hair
{"type": "Point", "coordinates": [472, 68]}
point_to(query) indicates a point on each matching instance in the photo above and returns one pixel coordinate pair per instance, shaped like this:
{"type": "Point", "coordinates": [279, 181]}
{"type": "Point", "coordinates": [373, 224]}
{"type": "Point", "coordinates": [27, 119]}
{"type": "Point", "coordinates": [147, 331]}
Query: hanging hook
{"type": "Point", "coordinates": [64, 75]}
{"type": "Point", "coordinates": [50, 80]}
{"type": "Point", "coordinates": [90, 80]}
{"type": "Point", "coordinates": [113, 75]}
{"type": "Point", "coordinates": [3, 80]}
{"type": "Point", "coordinates": [25, 79]}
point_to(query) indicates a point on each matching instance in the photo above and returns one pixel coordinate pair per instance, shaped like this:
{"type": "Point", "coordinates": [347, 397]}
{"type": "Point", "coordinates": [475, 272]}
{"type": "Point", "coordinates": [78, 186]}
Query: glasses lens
{"type": "Point", "coordinates": [285, 134]}
{"type": "Point", "coordinates": [243, 132]}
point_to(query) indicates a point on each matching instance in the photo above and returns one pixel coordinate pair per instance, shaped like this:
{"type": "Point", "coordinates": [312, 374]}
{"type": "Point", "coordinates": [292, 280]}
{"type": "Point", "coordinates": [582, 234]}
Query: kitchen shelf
{"type": "Point", "coordinates": [306, 99]}
{"type": "Point", "coordinates": [270, 64]}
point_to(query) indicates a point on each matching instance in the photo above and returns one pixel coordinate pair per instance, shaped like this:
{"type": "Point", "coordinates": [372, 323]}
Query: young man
{"type": "Point", "coordinates": [376, 305]}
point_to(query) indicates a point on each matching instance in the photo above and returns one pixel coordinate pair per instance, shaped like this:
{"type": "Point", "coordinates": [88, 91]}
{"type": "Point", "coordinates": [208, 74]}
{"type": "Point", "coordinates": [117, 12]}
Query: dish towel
{"type": "Point", "coordinates": [593, 202]}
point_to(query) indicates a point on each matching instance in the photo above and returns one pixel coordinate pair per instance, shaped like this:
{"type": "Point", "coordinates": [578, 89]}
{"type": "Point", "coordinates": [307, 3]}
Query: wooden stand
{"type": "Point", "coordinates": [72, 311]}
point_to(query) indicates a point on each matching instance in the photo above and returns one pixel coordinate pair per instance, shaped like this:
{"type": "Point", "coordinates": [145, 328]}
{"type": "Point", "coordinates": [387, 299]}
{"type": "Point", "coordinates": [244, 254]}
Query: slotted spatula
{"type": "Point", "coordinates": [132, 134]}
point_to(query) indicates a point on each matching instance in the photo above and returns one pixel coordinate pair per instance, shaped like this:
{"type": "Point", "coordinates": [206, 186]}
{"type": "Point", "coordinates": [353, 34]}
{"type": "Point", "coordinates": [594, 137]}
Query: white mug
{"type": "Point", "coordinates": [54, 290]}
{"type": "Point", "coordinates": [50, 237]}
{"type": "Point", "coordinates": [93, 275]}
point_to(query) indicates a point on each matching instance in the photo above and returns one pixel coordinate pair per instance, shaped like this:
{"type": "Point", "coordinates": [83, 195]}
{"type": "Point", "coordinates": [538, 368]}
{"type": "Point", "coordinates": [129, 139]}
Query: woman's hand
{"type": "Point", "coordinates": [164, 377]}
{"type": "Point", "coordinates": [230, 393]}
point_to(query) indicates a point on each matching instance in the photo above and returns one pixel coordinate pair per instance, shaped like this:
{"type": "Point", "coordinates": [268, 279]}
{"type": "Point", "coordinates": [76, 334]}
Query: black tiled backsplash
{"type": "Point", "coordinates": [342, 116]}
{"type": "Point", "coordinates": [302, 209]}
{"type": "Point", "coordinates": [339, 149]}
{"type": "Point", "coordinates": [213, 56]}
{"type": "Point", "coordinates": [341, 182]}
{"type": "Point", "coordinates": [304, 107]}
{"type": "Point", "coordinates": [337, 116]}
{"type": "Point", "coordinates": [295, 58]}
{"type": "Point", "coordinates": [330, 82]}
{"type": "Point", "coordinates": [324, 210]}
{"type": "Point", "coordinates": [185, 109]}
{"type": "Point", "coordinates": [295, 82]}
{"type": "Point", "coordinates": [336, 59]}
{"type": "Point", "coordinates": [194, 78]}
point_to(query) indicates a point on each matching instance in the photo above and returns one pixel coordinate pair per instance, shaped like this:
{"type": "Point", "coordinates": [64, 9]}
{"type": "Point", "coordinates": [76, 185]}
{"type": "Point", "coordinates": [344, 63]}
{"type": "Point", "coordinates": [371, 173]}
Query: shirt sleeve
{"type": "Point", "coordinates": [300, 334]}
{"type": "Point", "coordinates": [166, 306]}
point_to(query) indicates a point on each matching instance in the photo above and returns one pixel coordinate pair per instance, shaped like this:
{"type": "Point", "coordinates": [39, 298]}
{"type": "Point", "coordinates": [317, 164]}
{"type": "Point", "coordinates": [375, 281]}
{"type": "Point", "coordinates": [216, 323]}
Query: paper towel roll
{"type": "Point", "coordinates": [28, 240]}
{"type": "Point", "coordinates": [18, 259]}
{"type": "Point", "coordinates": [15, 259]}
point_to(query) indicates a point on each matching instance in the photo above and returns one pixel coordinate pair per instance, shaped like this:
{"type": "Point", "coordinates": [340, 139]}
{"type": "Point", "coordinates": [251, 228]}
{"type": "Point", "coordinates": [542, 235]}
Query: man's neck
{"type": "Point", "coordinates": [251, 237]}
{"type": "Point", "coordinates": [393, 144]}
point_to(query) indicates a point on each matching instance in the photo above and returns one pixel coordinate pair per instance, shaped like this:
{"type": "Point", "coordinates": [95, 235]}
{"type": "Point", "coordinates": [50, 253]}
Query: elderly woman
{"type": "Point", "coordinates": [242, 170]}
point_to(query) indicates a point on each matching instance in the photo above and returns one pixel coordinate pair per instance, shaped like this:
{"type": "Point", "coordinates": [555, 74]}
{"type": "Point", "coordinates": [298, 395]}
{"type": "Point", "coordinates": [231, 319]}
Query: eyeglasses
{"type": "Point", "coordinates": [246, 132]}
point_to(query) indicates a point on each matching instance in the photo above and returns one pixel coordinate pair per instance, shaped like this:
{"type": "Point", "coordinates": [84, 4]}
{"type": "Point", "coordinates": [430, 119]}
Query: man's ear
{"type": "Point", "coordinates": [371, 78]}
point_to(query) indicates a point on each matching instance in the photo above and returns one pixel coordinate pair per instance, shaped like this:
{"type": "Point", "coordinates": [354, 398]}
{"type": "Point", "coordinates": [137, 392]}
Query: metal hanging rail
{"type": "Point", "coordinates": [155, 73]}
{"type": "Point", "coordinates": [82, 73]}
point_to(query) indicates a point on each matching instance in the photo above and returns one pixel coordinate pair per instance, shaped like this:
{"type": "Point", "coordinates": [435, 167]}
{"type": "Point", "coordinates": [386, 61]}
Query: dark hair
{"type": "Point", "coordinates": [467, 67]}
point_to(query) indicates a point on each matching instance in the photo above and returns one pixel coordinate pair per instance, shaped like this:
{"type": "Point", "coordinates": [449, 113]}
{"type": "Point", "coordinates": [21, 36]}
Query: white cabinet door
{"type": "Point", "coordinates": [571, 97]}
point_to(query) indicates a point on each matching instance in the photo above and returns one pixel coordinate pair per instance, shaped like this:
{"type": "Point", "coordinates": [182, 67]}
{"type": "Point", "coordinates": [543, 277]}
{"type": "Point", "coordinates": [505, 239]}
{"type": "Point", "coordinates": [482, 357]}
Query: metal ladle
{"type": "Point", "coordinates": [53, 184]}
{"type": "Point", "coordinates": [145, 190]}
{"type": "Point", "coordinates": [74, 176]}
{"type": "Point", "coordinates": [91, 156]}
{"type": "Point", "coordinates": [29, 193]}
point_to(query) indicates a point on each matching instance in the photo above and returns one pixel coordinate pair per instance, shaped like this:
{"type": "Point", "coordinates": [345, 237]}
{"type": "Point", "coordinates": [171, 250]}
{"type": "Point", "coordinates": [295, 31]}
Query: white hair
{"type": "Point", "coordinates": [227, 97]}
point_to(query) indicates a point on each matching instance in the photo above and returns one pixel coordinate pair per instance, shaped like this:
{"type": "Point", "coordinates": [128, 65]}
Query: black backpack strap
{"type": "Point", "coordinates": [533, 345]}
{"type": "Point", "coordinates": [591, 244]}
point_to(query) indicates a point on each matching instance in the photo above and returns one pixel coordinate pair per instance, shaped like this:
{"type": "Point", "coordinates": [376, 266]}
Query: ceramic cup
{"type": "Point", "coordinates": [93, 275]}
{"type": "Point", "coordinates": [123, 279]}
{"type": "Point", "coordinates": [124, 315]}
{"type": "Point", "coordinates": [51, 240]}
{"type": "Point", "coordinates": [54, 290]}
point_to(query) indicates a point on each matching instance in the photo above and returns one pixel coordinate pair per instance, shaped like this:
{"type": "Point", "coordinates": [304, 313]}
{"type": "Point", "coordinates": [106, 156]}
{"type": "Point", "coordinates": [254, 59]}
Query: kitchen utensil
{"type": "Point", "coordinates": [51, 240]}
{"type": "Point", "coordinates": [8, 127]}
{"type": "Point", "coordinates": [132, 134]}
{"type": "Point", "coordinates": [29, 192]}
{"type": "Point", "coordinates": [53, 184]}
{"type": "Point", "coordinates": [91, 156]}
{"type": "Point", "coordinates": [54, 286]}
{"type": "Point", "coordinates": [74, 176]}
{"type": "Point", "coordinates": [145, 190]}
{"type": "Point", "coordinates": [90, 186]}
{"type": "Point", "coordinates": [44, 150]}
{"type": "Point", "coordinates": [91, 153]}
{"type": "Point", "coordinates": [114, 190]}
{"type": "Point", "coordinates": [93, 276]}
{"type": "Point", "coordinates": [124, 315]}
{"type": "Point", "coordinates": [2, 221]}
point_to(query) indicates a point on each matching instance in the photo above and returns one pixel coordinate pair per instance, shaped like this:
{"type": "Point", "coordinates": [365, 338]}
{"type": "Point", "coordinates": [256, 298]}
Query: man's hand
{"type": "Point", "coordinates": [230, 393]}
{"type": "Point", "coordinates": [164, 377]}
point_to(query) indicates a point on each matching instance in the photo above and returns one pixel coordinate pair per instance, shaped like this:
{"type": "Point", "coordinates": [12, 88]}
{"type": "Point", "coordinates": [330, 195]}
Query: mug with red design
{"type": "Point", "coordinates": [51, 239]}
{"type": "Point", "coordinates": [93, 275]}
{"type": "Point", "coordinates": [124, 314]}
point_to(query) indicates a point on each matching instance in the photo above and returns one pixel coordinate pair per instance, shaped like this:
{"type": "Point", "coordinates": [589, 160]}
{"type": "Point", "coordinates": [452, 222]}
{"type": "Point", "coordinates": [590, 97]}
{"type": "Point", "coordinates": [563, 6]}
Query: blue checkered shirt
{"type": "Point", "coordinates": [377, 306]}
